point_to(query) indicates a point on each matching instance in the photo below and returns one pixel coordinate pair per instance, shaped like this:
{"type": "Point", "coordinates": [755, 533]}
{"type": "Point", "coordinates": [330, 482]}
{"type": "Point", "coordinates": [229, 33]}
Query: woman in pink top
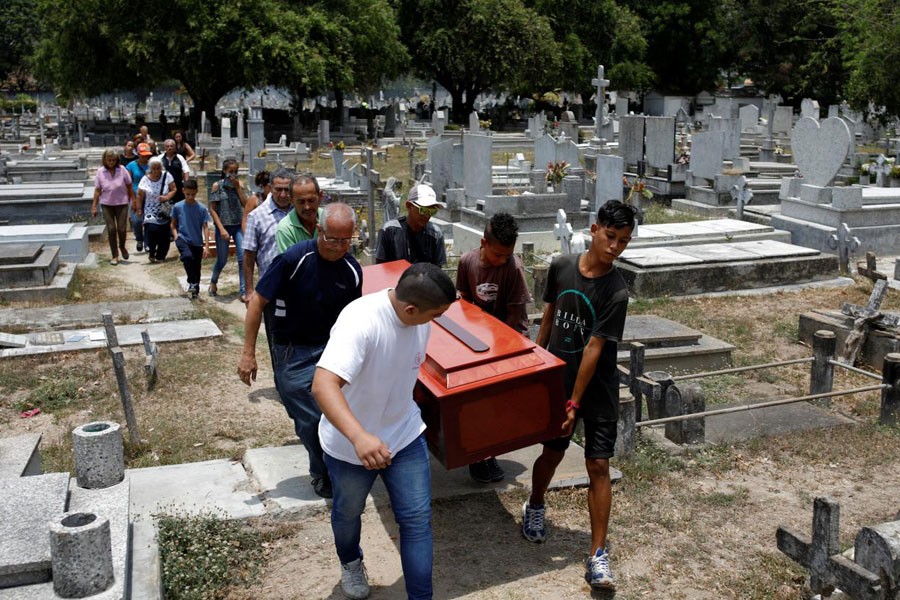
{"type": "Point", "coordinates": [112, 189]}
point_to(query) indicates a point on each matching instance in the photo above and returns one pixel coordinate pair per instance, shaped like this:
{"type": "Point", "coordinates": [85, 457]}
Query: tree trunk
{"type": "Point", "coordinates": [339, 100]}
{"type": "Point", "coordinates": [459, 109]}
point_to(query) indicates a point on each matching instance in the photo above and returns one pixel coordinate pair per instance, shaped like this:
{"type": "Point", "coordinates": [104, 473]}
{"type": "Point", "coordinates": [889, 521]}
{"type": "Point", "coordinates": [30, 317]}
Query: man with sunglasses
{"type": "Point", "coordinates": [309, 284]}
{"type": "Point", "coordinates": [414, 237]}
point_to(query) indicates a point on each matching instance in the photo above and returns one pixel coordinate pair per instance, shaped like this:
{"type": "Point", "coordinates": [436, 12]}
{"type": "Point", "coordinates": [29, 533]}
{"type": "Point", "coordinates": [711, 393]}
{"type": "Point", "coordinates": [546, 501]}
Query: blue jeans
{"type": "Point", "coordinates": [137, 225]}
{"type": "Point", "coordinates": [222, 254]}
{"type": "Point", "coordinates": [294, 370]}
{"type": "Point", "coordinates": [408, 482]}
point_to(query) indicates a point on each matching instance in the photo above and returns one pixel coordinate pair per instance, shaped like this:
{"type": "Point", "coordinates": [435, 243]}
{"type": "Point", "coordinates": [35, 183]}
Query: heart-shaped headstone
{"type": "Point", "coordinates": [820, 149]}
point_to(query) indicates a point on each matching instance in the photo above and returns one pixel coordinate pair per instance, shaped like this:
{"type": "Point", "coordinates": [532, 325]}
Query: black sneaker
{"type": "Point", "coordinates": [194, 289]}
{"type": "Point", "coordinates": [322, 487]}
{"type": "Point", "coordinates": [480, 471]}
{"type": "Point", "coordinates": [496, 470]}
{"type": "Point", "coordinates": [140, 247]}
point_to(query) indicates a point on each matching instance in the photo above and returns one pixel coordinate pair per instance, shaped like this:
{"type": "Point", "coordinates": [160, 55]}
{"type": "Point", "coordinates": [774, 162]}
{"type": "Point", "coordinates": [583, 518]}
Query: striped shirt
{"type": "Point", "coordinates": [260, 234]}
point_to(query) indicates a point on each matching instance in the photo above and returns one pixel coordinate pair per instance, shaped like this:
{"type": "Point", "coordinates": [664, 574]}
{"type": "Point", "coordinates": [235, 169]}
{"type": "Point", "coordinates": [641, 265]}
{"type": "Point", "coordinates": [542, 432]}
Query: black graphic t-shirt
{"type": "Point", "coordinates": [587, 307]}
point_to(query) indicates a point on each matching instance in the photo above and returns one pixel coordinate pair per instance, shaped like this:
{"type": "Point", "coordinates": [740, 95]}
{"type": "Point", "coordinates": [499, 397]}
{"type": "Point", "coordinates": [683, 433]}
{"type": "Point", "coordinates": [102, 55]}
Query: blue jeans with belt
{"type": "Point", "coordinates": [408, 482]}
{"type": "Point", "coordinates": [295, 367]}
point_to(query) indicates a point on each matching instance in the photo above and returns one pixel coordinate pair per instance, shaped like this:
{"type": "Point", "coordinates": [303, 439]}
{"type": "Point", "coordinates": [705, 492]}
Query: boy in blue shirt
{"type": "Point", "coordinates": [191, 233]}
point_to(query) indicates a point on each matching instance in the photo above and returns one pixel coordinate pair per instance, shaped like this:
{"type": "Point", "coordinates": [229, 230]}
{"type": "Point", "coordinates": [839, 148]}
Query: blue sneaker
{"type": "Point", "coordinates": [533, 523]}
{"type": "Point", "coordinates": [597, 571]}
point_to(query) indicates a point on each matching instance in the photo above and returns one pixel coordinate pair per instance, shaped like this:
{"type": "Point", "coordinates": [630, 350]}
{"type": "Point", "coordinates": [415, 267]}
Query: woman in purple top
{"type": "Point", "coordinates": [112, 190]}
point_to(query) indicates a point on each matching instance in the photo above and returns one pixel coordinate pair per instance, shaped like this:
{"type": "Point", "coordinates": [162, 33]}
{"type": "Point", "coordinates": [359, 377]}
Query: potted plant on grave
{"type": "Point", "coordinates": [895, 176]}
{"type": "Point", "coordinates": [556, 171]}
{"type": "Point", "coordinates": [864, 171]}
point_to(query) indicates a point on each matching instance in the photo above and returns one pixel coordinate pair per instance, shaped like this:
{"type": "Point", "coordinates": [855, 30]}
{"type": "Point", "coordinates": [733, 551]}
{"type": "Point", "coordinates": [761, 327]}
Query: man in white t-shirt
{"type": "Point", "coordinates": [371, 426]}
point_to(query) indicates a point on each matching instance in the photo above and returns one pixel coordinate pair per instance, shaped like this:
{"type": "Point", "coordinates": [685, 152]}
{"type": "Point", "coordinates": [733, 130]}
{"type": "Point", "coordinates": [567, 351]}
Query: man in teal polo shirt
{"type": "Point", "coordinates": [300, 223]}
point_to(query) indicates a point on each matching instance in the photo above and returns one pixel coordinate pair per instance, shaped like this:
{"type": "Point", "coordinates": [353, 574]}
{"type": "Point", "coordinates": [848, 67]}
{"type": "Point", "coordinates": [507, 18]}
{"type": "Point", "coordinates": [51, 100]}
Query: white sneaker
{"type": "Point", "coordinates": [597, 571]}
{"type": "Point", "coordinates": [354, 580]}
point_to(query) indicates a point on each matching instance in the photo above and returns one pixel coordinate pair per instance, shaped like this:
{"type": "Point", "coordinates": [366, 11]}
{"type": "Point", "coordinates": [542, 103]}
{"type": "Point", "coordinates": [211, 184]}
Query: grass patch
{"type": "Point", "coordinates": [657, 214]}
{"type": "Point", "coordinates": [203, 556]}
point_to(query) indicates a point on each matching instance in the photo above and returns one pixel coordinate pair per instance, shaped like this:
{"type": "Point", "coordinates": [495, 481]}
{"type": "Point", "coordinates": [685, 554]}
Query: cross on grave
{"type": "Point", "coordinates": [600, 83]}
{"type": "Point", "coordinates": [871, 270]}
{"type": "Point", "coordinates": [844, 242]}
{"type": "Point", "coordinates": [373, 179]}
{"type": "Point", "coordinates": [882, 170]}
{"type": "Point", "coordinates": [864, 317]}
{"type": "Point", "coordinates": [563, 232]}
{"type": "Point", "coordinates": [828, 569]}
{"type": "Point", "coordinates": [741, 194]}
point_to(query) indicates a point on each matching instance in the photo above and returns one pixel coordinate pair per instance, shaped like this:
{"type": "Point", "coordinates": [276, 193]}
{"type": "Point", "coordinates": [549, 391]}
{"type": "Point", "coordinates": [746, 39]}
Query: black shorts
{"type": "Point", "coordinates": [599, 439]}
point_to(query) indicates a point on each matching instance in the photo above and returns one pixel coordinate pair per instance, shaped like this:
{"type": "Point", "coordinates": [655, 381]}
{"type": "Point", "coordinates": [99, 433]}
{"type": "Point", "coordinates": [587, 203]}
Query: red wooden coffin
{"type": "Point", "coordinates": [484, 390]}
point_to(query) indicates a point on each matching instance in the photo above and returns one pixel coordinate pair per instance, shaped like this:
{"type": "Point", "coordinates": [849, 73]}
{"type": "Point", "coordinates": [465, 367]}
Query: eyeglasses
{"type": "Point", "coordinates": [281, 191]}
{"type": "Point", "coordinates": [335, 241]}
{"type": "Point", "coordinates": [429, 211]}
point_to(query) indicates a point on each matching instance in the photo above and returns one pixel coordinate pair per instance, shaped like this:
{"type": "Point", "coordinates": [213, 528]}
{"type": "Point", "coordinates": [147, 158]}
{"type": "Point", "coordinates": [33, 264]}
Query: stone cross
{"type": "Point", "coordinates": [741, 194]}
{"type": "Point", "coordinates": [600, 83]}
{"type": "Point", "coordinates": [844, 242]}
{"type": "Point", "coordinates": [882, 170]}
{"type": "Point", "coordinates": [871, 270]}
{"type": "Point", "coordinates": [822, 555]}
{"type": "Point", "coordinates": [373, 178]}
{"type": "Point", "coordinates": [563, 232]}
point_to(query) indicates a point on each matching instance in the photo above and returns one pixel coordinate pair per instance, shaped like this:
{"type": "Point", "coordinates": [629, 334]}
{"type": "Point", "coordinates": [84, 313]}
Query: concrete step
{"type": "Point", "coordinates": [20, 455]}
{"type": "Point", "coordinates": [27, 265]}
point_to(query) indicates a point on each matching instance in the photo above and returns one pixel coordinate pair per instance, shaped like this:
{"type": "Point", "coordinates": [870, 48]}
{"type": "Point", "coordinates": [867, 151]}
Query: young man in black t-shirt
{"type": "Point", "coordinates": [583, 321]}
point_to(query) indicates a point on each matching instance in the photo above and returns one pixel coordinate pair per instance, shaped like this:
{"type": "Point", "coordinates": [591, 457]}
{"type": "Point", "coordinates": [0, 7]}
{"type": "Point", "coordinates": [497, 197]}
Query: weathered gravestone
{"type": "Point", "coordinates": [820, 149]}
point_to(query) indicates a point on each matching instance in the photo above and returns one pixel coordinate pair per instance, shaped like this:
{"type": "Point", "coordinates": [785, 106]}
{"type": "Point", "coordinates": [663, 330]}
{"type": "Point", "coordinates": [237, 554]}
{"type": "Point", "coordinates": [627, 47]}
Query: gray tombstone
{"type": "Point", "coordinates": [621, 106]}
{"type": "Point", "coordinates": [834, 111]}
{"type": "Point", "coordinates": [477, 165]}
{"type": "Point", "coordinates": [631, 139]}
{"type": "Point", "coordinates": [324, 133]}
{"type": "Point", "coordinates": [549, 150]}
{"type": "Point", "coordinates": [438, 122]}
{"type": "Point", "coordinates": [608, 184]}
{"type": "Point", "coordinates": [438, 161]}
{"type": "Point", "coordinates": [474, 123]}
{"type": "Point", "coordinates": [782, 121]}
{"type": "Point", "coordinates": [809, 108]}
{"type": "Point", "coordinates": [820, 148]}
{"type": "Point", "coordinates": [226, 133]}
{"type": "Point", "coordinates": [732, 130]}
{"type": "Point", "coordinates": [256, 138]}
{"type": "Point", "coordinates": [749, 117]}
{"type": "Point", "coordinates": [660, 132]}
{"type": "Point", "coordinates": [707, 151]}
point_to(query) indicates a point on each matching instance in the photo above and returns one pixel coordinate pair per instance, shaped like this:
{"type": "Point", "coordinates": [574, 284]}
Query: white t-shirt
{"type": "Point", "coordinates": [379, 358]}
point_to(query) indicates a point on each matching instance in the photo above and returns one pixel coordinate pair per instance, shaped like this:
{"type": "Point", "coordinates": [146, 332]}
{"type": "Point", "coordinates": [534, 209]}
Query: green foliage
{"type": "Point", "coordinates": [52, 394]}
{"type": "Point", "coordinates": [469, 46]}
{"type": "Point", "coordinates": [20, 103]}
{"type": "Point", "coordinates": [792, 49]}
{"type": "Point", "coordinates": [871, 38]}
{"type": "Point", "coordinates": [592, 33]}
{"type": "Point", "coordinates": [17, 38]}
{"type": "Point", "coordinates": [201, 555]}
{"type": "Point", "coordinates": [687, 42]}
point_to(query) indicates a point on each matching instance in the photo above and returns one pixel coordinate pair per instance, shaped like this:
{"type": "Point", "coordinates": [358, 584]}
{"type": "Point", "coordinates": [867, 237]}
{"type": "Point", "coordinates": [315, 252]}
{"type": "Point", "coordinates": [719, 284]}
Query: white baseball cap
{"type": "Point", "coordinates": [424, 196]}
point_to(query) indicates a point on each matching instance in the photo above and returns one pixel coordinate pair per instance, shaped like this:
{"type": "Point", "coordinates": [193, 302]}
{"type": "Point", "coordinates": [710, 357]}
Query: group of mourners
{"type": "Point", "coordinates": [152, 188]}
{"type": "Point", "coordinates": [345, 364]}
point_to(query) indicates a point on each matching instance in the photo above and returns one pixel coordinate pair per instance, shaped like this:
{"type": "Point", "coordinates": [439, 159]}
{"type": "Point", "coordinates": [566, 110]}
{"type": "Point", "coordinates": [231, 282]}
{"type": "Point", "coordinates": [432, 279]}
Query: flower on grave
{"type": "Point", "coordinates": [484, 124]}
{"type": "Point", "coordinates": [895, 172]}
{"type": "Point", "coordinates": [865, 168]}
{"type": "Point", "coordinates": [684, 158]}
{"type": "Point", "coordinates": [339, 146]}
{"type": "Point", "coordinates": [556, 171]}
{"type": "Point", "coordinates": [779, 150]}
{"type": "Point", "coordinates": [638, 186]}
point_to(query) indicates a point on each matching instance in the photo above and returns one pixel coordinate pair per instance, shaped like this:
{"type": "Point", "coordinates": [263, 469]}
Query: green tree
{"type": "Point", "coordinates": [469, 46]}
{"type": "Point", "coordinates": [687, 42]}
{"type": "Point", "coordinates": [214, 46]}
{"type": "Point", "coordinates": [17, 38]}
{"type": "Point", "coordinates": [790, 49]}
{"type": "Point", "coordinates": [595, 32]}
{"type": "Point", "coordinates": [871, 42]}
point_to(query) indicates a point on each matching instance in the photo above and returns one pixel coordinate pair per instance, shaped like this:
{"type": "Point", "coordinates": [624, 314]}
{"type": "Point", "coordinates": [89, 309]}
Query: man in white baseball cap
{"type": "Point", "coordinates": [414, 237]}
